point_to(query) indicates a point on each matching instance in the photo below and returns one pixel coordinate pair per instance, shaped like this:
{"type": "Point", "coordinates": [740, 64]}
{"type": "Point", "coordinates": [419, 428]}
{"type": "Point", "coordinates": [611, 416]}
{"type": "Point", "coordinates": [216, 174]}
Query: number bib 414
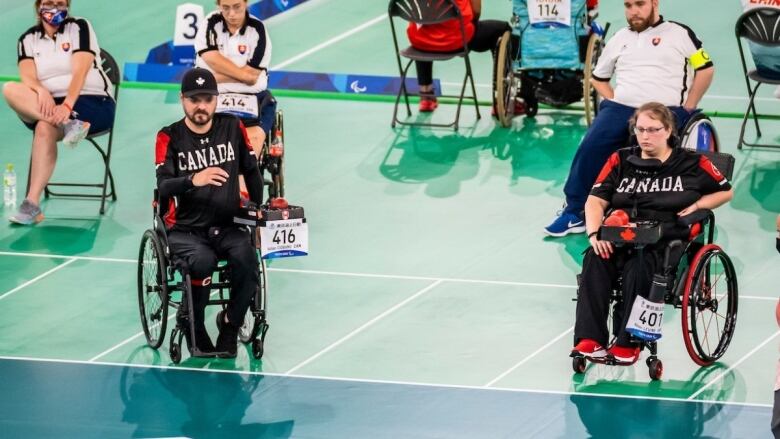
{"type": "Point", "coordinates": [550, 11]}
{"type": "Point", "coordinates": [645, 319]}
{"type": "Point", "coordinates": [241, 105]}
{"type": "Point", "coordinates": [284, 239]}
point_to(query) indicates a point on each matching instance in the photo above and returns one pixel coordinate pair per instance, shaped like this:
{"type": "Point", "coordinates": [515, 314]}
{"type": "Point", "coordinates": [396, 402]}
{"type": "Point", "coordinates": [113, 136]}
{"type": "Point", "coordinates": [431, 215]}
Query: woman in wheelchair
{"type": "Point", "coordinates": [652, 181]}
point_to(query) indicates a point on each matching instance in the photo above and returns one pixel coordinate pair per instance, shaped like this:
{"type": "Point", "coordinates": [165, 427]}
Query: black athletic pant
{"type": "Point", "coordinates": [202, 249]}
{"type": "Point", "coordinates": [486, 36]}
{"type": "Point", "coordinates": [598, 277]}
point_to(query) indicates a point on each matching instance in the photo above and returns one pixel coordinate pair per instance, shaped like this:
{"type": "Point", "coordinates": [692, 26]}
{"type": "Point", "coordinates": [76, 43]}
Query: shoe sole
{"type": "Point", "coordinates": [38, 218]}
{"type": "Point", "coordinates": [601, 353]}
{"type": "Point", "coordinates": [580, 229]}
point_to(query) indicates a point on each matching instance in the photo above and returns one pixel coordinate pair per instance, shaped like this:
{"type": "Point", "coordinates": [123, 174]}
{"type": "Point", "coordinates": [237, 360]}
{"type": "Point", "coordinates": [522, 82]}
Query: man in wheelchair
{"type": "Point", "coordinates": [235, 46]}
{"type": "Point", "coordinates": [198, 160]}
{"type": "Point", "coordinates": [651, 181]}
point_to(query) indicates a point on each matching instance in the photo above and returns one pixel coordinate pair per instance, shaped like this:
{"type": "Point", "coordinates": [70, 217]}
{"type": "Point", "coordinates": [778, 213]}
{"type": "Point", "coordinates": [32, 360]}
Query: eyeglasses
{"type": "Point", "coordinates": [52, 5]}
{"type": "Point", "coordinates": [197, 99]}
{"type": "Point", "coordinates": [237, 8]}
{"type": "Point", "coordinates": [652, 131]}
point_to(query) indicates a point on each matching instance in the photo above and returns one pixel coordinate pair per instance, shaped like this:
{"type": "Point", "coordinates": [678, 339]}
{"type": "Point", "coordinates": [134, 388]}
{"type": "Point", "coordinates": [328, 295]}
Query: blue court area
{"type": "Point", "coordinates": [114, 401]}
{"type": "Point", "coordinates": [430, 306]}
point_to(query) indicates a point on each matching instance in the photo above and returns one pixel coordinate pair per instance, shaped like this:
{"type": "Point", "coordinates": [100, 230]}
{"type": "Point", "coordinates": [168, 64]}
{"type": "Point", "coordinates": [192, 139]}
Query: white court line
{"type": "Point", "coordinates": [364, 326]}
{"type": "Point", "coordinates": [39, 277]}
{"type": "Point", "coordinates": [342, 273]}
{"type": "Point", "coordinates": [388, 382]}
{"type": "Point", "coordinates": [331, 41]}
{"type": "Point", "coordinates": [524, 360]}
{"type": "Point", "coordinates": [733, 366]}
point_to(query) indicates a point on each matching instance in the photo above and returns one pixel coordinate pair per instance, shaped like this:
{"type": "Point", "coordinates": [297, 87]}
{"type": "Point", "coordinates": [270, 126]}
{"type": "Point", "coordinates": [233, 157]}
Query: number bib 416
{"type": "Point", "coordinates": [241, 105]}
{"type": "Point", "coordinates": [284, 239]}
{"type": "Point", "coordinates": [645, 319]}
{"type": "Point", "coordinates": [550, 11]}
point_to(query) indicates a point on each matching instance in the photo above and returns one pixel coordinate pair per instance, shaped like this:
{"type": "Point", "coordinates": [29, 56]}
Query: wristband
{"type": "Point", "coordinates": [65, 104]}
{"type": "Point", "coordinates": [592, 234]}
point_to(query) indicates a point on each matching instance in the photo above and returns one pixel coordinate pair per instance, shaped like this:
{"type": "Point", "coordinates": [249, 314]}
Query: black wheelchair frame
{"type": "Point", "coordinates": [690, 287]}
{"type": "Point", "coordinates": [158, 268]}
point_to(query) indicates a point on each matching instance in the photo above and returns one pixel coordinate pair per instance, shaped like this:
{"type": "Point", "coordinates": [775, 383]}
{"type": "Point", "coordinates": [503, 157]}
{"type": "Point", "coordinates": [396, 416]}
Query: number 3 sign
{"type": "Point", "coordinates": [189, 17]}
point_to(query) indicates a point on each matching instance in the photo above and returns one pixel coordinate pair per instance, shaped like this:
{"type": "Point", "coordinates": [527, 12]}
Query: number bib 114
{"type": "Point", "coordinates": [550, 11]}
{"type": "Point", "coordinates": [241, 105]}
{"type": "Point", "coordinates": [284, 239]}
{"type": "Point", "coordinates": [645, 319]}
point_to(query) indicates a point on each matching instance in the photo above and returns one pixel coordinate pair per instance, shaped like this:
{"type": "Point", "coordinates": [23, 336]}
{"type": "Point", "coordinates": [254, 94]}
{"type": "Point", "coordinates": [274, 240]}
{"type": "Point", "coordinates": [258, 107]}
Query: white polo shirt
{"type": "Point", "coordinates": [655, 65]}
{"type": "Point", "coordinates": [249, 46]}
{"type": "Point", "coordinates": [54, 57]}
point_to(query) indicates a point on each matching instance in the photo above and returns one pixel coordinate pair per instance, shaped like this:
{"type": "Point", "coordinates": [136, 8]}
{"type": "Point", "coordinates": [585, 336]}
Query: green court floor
{"type": "Point", "coordinates": [430, 295]}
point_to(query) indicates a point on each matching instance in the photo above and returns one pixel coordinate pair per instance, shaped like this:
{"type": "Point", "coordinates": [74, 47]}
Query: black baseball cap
{"type": "Point", "coordinates": [198, 81]}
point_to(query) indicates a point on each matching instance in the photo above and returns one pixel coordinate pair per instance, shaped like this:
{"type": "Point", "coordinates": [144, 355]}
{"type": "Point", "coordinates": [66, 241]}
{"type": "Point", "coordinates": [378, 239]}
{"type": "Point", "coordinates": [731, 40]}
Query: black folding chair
{"type": "Point", "coordinates": [111, 68]}
{"type": "Point", "coordinates": [425, 12]}
{"type": "Point", "coordinates": [761, 27]}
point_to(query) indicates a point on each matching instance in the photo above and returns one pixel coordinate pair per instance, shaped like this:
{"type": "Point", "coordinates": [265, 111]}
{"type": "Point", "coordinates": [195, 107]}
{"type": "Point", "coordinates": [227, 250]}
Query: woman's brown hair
{"type": "Point", "coordinates": [659, 112]}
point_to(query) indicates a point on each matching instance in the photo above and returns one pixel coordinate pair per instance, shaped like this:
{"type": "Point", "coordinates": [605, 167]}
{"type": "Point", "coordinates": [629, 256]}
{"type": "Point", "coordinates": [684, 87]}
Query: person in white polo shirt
{"type": "Point", "coordinates": [235, 46]}
{"type": "Point", "coordinates": [652, 60]}
{"type": "Point", "coordinates": [62, 85]}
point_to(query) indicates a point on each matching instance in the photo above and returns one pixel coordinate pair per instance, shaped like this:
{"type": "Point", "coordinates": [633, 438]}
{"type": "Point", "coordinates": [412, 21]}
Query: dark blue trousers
{"type": "Point", "coordinates": [608, 133]}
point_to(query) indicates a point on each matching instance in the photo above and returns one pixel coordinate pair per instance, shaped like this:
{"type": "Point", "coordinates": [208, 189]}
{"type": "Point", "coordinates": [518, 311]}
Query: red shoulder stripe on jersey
{"type": "Point", "coordinates": [710, 169]}
{"type": "Point", "coordinates": [246, 136]}
{"type": "Point", "coordinates": [612, 163]}
{"type": "Point", "coordinates": [161, 148]}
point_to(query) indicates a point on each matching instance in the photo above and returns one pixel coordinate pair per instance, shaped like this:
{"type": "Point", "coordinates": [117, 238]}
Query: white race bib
{"type": "Point", "coordinates": [645, 319]}
{"type": "Point", "coordinates": [284, 239]}
{"type": "Point", "coordinates": [241, 105]}
{"type": "Point", "coordinates": [550, 11]}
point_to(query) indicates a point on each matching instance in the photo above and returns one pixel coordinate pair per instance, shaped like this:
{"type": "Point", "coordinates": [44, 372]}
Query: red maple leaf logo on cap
{"type": "Point", "coordinates": [627, 234]}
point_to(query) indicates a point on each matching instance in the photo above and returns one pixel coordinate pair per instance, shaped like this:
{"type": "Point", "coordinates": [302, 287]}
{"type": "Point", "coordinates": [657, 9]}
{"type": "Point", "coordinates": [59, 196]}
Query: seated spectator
{"type": "Point", "coordinates": [481, 36]}
{"type": "Point", "coordinates": [63, 94]}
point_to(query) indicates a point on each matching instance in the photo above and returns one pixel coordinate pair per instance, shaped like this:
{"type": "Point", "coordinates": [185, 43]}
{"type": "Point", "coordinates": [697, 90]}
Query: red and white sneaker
{"type": "Point", "coordinates": [589, 348]}
{"type": "Point", "coordinates": [427, 105]}
{"type": "Point", "coordinates": [624, 354]}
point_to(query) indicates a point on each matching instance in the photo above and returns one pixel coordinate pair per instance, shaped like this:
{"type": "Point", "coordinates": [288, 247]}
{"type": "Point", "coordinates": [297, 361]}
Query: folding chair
{"type": "Point", "coordinates": [426, 12]}
{"type": "Point", "coordinates": [111, 68]}
{"type": "Point", "coordinates": [761, 28]}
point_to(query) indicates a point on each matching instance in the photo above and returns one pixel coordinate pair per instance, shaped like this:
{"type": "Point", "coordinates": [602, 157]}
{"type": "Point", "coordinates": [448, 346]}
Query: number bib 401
{"type": "Point", "coordinates": [550, 11]}
{"type": "Point", "coordinates": [241, 105]}
{"type": "Point", "coordinates": [645, 319]}
{"type": "Point", "coordinates": [284, 238]}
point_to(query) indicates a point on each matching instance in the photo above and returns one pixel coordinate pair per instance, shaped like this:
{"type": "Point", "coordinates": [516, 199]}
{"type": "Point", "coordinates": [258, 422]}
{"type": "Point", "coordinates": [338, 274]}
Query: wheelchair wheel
{"type": "Point", "coordinates": [273, 161]}
{"type": "Point", "coordinates": [152, 289]}
{"type": "Point", "coordinates": [578, 364]}
{"type": "Point", "coordinates": [504, 84]}
{"type": "Point", "coordinates": [655, 368]}
{"type": "Point", "coordinates": [249, 330]}
{"type": "Point", "coordinates": [699, 134]}
{"type": "Point", "coordinates": [591, 98]}
{"type": "Point", "coordinates": [709, 305]}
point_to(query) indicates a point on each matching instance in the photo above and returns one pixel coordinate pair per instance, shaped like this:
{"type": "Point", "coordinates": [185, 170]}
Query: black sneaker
{"type": "Point", "coordinates": [227, 341]}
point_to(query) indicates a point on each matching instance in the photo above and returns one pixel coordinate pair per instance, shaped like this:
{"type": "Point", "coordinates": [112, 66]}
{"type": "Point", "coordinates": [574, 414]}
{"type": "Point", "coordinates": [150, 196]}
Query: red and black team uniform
{"type": "Point", "coordinates": [680, 181]}
{"type": "Point", "coordinates": [200, 219]}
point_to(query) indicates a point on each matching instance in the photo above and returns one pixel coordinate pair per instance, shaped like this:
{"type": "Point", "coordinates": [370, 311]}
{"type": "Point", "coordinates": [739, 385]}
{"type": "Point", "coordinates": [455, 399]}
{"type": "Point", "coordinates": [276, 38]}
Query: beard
{"type": "Point", "coordinates": [200, 117]}
{"type": "Point", "coordinates": [639, 24]}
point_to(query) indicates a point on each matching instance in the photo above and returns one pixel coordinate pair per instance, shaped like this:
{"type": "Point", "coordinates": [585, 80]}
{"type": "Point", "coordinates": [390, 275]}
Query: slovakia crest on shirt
{"type": "Point", "coordinates": [656, 41]}
{"type": "Point", "coordinates": [66, 47]}
{"type": "Point", "coordinates": [242, 48]}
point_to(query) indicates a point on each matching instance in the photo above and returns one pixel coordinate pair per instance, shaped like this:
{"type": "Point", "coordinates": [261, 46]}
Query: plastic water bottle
{"type": "Point", "coordinates": [9, 186]}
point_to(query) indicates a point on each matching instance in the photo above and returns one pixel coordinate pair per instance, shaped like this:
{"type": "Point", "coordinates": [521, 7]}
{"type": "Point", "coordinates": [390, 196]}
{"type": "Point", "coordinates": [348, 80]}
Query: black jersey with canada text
{"type": "Point", "coordinates": [180, 153]}
{"type": "Point", "coordinates": [681, 180]}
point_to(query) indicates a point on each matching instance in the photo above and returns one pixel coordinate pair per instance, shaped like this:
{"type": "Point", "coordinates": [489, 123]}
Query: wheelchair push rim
{"type": "Point", "coordinates": [251, 327]}
{"type": "Point", "coordinates": [709, 305]}
{"type": "Point", "coordinates": [590, 96]}
{"type": "Point", "coordinates": [152, 289]}
{"type": "Point", "coordinates": [505, 87]}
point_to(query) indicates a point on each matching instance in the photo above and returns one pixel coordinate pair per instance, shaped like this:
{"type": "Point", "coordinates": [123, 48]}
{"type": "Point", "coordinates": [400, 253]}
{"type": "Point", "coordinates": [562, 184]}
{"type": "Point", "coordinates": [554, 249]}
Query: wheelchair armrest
{"type": "Point", "coordinates": [699, 216]}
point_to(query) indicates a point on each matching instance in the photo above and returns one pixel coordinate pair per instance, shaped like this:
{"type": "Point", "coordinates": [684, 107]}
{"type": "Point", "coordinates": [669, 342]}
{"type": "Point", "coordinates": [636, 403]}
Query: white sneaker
{"type": "Point", "coordinates": [75, 131]}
